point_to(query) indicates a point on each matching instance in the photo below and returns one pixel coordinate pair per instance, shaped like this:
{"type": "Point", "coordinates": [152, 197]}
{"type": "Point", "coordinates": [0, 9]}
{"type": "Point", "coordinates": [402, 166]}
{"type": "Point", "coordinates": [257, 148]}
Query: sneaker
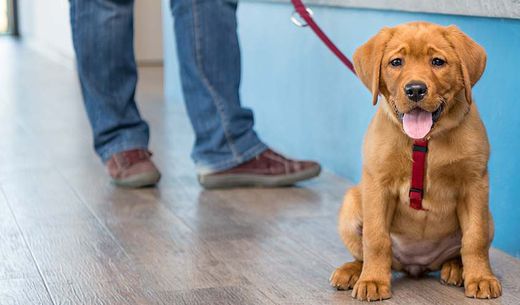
{"type": "Point", "coordinates": [269, 169]}
{"type": "Point", "coordinates": [133, 168]}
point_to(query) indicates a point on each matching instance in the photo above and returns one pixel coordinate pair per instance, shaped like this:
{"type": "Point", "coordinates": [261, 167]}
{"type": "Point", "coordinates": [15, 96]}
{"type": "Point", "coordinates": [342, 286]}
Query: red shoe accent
{"type": "Point", "coordinates": [133, 168]}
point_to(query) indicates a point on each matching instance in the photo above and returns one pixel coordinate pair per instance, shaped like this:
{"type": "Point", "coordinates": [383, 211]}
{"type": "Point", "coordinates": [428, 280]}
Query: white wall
{"type": "Point", "coordinates": [148, 31]}
{"type": "Point", "coordinates": [44, 25]}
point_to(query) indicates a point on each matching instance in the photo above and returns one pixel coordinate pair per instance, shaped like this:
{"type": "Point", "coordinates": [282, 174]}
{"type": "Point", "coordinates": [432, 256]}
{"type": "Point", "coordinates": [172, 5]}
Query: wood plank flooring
{"type": "Point", "coordinates": [67, 236]}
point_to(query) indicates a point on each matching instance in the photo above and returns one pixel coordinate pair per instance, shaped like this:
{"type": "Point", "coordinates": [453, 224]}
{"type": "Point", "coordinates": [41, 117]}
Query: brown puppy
{"type": "Point", "coordinates": [424, 73]}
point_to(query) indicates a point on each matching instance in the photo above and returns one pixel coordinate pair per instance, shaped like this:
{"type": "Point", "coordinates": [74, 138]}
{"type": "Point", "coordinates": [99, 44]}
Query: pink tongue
{"type": "Point", "coordinates": [417, 123]}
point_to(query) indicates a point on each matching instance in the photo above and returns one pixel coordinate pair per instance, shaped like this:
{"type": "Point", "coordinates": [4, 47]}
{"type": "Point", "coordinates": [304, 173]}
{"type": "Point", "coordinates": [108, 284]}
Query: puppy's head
{"type": "Point", "coordinates": [424, 71]}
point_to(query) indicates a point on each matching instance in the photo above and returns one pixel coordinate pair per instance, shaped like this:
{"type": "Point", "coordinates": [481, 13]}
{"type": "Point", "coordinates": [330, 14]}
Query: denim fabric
{"type": "Point", "coordinates": [102, 33]}
{"type": "Point", "coordinates": [209, 56]}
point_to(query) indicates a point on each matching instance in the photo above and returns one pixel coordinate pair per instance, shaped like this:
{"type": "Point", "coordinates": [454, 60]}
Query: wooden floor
{"type": "Point", "coordinates": [67, 236]}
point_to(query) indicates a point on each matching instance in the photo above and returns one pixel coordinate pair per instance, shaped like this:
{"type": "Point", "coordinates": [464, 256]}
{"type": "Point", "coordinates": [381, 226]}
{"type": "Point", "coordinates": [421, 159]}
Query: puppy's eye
{"type": "Point", "coordinates": [438, 62]}
{"type": "Point", "coordinates": [396, 62]}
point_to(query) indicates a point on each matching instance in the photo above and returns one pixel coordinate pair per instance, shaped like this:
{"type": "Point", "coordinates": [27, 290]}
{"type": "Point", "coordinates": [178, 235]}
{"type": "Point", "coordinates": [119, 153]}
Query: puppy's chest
{"type": "Point", "coordinates": [442, 178]}
{"type": "Point", "coordinates": [423, 240]}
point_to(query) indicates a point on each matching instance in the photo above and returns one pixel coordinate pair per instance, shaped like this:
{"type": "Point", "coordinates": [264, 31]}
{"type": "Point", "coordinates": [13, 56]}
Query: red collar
{"type": "Point", "coordinates": [420, 149]}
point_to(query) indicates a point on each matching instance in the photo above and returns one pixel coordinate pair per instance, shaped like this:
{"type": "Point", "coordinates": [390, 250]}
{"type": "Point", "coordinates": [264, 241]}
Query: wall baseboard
{"type": "Point", "coordinates": [479, 8]}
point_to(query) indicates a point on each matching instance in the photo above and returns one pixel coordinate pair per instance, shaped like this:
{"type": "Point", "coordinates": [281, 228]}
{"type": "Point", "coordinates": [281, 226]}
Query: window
{"type": "Point", "coordinates": [7, 21]}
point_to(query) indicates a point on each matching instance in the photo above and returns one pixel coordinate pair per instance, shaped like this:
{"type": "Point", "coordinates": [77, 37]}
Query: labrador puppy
{"type": "Point", "coordinates": [424, 74]}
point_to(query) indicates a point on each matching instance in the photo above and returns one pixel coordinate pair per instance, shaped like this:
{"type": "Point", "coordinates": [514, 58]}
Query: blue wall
{"type": "Point", "coordinates": [308, 105]}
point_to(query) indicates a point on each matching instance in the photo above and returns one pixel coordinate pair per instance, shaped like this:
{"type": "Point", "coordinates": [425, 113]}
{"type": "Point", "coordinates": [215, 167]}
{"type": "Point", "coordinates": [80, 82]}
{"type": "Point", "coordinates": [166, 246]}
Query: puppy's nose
{"type": "Point", "coordinates": [415, 90]}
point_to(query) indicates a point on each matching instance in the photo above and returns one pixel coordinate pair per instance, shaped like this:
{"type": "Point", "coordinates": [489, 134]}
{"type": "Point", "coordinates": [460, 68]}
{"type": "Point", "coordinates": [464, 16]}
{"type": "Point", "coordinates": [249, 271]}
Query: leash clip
{"type": "Point", "coordinates": [297, 20]}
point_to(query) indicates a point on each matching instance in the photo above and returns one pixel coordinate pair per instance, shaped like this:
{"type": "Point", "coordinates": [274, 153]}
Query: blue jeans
{"type": "Point", "coordinates": [209, 56]}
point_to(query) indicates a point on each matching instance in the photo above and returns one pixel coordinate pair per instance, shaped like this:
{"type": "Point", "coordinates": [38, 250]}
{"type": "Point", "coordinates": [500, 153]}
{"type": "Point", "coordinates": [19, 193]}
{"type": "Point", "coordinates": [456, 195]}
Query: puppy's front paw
{"type": "Point", "coordinates": [484, 287]}
{"type": "Point", "coordinates": [346, 276]}
{"type": "Point", "coordinates": [371, 290]}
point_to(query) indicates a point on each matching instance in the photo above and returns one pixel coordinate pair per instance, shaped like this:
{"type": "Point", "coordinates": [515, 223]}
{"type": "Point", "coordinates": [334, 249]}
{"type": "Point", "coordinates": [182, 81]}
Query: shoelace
{"type": "Point", "coordinates": [275, 159]}
{"type": "Point", "coordinates": [130, 157]}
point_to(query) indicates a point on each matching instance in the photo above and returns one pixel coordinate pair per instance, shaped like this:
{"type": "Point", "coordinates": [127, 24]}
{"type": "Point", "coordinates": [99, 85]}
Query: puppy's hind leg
{"type": "Point", "coordinates": [350, 228]}
{"type": "Point", "coordinates": [451, 272]}
{"type": "Point", "coordinates": [346, 276]}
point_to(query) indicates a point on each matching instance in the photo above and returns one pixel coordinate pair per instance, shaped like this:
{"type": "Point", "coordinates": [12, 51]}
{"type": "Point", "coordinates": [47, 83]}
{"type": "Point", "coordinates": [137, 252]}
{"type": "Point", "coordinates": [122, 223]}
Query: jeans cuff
{"type": "Point", "coordinates": [205, 169]}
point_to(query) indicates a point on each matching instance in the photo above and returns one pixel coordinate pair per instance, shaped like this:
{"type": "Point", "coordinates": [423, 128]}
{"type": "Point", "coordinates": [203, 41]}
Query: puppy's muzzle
{"type": "Point", "coordinates": [415, 91]}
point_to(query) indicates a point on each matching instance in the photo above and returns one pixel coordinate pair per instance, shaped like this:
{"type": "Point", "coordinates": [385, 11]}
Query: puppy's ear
{"type": "Point", "coordinates": [472, 58]}
{"type": "Point", "coordinates": [367, 61]}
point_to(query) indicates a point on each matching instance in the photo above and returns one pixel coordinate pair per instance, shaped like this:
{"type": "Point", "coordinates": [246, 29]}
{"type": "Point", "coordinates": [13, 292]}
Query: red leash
{"type": "Point", "coordinates": [420, 147]}
{"type": "Point", "coordinates": [306, 15]}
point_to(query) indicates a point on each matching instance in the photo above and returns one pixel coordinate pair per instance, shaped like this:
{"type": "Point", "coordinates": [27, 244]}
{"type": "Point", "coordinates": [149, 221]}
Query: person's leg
{"type": "Point", "coordinates": [227, 150]}
{"type": "Point", "coordinates": [209, 59]}
{"type": "Point", "coordinates": [102, 32]}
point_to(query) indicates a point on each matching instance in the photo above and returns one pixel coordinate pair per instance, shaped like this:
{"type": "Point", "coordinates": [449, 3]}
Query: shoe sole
{"type": "Point", "coordinates": [243, 180]}
{"type": "Point", "coordinates": [139, 180]}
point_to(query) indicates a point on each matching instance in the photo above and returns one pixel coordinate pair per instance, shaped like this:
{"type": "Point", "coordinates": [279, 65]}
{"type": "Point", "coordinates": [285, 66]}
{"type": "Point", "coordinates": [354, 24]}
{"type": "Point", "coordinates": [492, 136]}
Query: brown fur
{"type": "Point", "coordinates": [456, 182]}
